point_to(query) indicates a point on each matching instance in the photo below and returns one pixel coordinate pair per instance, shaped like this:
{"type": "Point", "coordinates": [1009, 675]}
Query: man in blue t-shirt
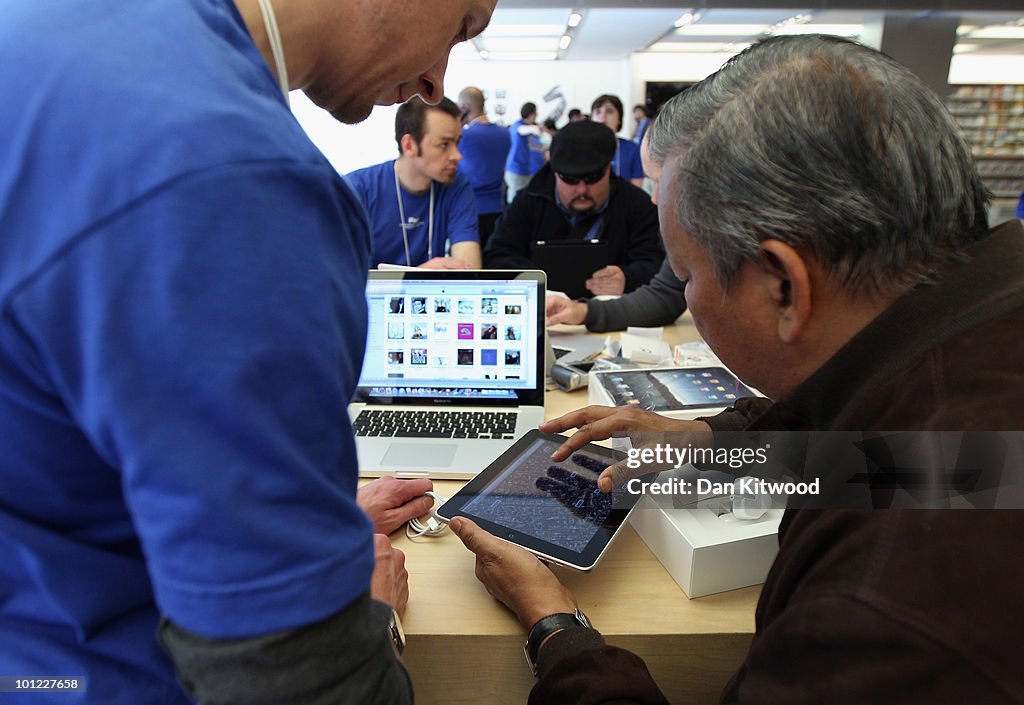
{"type": "Point", "coordinates": [643, 121]}
{"type": "Point", "coordinates": [182, 326]}
{"type": "Point", "coordinates": [420, 205]}
{"type": "Point", "coordinates": [526, 153]}
{"type": "Point", "coordinates": [607, 109]}
{"type": "Point", "coordinates": [484, 149]}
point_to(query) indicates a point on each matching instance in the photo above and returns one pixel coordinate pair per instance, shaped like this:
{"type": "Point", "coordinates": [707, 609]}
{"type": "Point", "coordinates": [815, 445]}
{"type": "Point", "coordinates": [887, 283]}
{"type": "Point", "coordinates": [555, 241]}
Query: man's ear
{"type": "Point", "coordinates": [789, 283]}
{"type": "Point", "coordinates": [408, 145]}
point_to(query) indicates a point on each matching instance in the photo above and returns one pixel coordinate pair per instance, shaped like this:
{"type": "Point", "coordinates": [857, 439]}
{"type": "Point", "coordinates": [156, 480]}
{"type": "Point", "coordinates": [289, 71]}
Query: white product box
{"type": "Point", "coordinates": [703, 552]}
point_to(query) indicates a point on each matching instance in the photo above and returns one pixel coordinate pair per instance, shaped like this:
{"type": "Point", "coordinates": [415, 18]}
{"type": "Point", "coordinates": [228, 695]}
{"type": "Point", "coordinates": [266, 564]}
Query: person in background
{"type": "Point", "coordinates": [184, 321]}
{"type": "Point", "coordinates": [857, 284]}
{"type": "Point", "coordinates": [526, 155]}
{"type": "Point", "coordinates": [548, 130]}
{"type": "Point", "coordinates": [607, 110]}
{"type": "Point", "coordinates": [575, 115]}
{"type": "Point", "coordinates": [641, 120]}
{"type": "Point", "coordinates": [576, 197]}
{"type": "Point", "coordinates": [657, 303]}
{"type": "Point", "coordinates": [484, 149]}
{"type": "Point", "coordinates": [420, 203]}
{"type": "Point", "coordinates": [1020, 207]}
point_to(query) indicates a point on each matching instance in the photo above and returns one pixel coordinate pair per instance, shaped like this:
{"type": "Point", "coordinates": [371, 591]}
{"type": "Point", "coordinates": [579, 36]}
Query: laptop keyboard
{"type": "Point", "coordinates": [436, 424]}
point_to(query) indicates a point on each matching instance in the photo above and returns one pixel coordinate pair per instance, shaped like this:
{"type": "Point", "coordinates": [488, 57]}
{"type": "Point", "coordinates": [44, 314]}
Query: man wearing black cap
{"type": "Point", "coordinates": [576, 198]}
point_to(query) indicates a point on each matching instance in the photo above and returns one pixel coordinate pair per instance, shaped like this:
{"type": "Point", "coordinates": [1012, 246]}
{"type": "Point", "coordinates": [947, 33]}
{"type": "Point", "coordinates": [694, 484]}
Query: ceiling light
{"type": "Point", "coordinates": [998, 32]}
{"type": "Point", "coordinates": [564, 42]}
{"type": "Point", "coordinates": [839, 30]}
{"type": "Point", "coordinates": [521, 56]}
{"type": "Point", "coordinates": [793, 21]}
{"type": "Point", "coordinates": [520, 44]}
{"type": "Point", "coordinates": [574, 19]}
{"type": "Point", "coordinates": [965, 48]}
{"type": "Point", "coordinates": [697, 47]}
{"type": "Point", "coordinates": [722, 30]}
{"type": "Point", "coordinates": [524, 30]}
{"type": "Point", "coordinates": [686, 18]}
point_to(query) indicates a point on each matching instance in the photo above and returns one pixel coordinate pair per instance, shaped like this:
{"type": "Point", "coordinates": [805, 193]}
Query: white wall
{"type": "Point", "coordinates": [658, 66]}
{"type": "Point", "coordinates": [350, 147]}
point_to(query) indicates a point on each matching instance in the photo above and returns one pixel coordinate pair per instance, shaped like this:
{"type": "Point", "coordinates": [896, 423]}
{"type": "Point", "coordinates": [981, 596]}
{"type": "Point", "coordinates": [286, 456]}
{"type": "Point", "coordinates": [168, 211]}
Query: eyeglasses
{"type": "Point", "coordinates": [589, 179]}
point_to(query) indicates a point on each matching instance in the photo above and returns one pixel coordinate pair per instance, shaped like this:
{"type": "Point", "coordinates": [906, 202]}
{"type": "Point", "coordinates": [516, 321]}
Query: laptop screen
{"type": "Point", "coordinates": [454, 337]}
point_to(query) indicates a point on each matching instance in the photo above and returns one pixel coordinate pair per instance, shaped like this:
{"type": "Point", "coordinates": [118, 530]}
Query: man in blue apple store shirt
{"type": "Point", "coordinates": [421, 204]}
{"type": "Point", "coordinates": [484, 149]}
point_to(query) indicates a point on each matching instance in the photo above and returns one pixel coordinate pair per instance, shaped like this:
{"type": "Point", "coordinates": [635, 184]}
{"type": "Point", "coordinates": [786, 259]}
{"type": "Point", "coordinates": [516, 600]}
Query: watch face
{"type": "Point", "coordinates": [396, 631]}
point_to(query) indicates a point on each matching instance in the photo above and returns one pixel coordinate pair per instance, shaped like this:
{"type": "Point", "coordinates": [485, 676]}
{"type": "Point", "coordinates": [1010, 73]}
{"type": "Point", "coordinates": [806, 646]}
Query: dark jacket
{"type": "Point", "coordinates": [630, 228]}
{"type": "Point", "coordinates": [894, 606]}
{"type": "Point", "coordinates": [656, 303]}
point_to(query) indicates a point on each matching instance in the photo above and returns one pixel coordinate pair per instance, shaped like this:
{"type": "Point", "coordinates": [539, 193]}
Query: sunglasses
{"type": "Point", "coordinates": [589, 179]}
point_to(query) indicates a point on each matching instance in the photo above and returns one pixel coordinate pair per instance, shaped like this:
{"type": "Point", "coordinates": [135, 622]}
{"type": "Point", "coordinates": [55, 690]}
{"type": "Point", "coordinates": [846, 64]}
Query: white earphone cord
{"type": "Point", "coordinates": [432, 527]}
{"type": "Point", "coordinates": [276, 48]}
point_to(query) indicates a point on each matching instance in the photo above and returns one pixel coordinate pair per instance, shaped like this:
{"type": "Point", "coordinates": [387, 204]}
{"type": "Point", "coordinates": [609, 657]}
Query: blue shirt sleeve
{"type": "Point", "coordinates": [462, 224]}
{"type": "Point", "coordinates": [207, 341]}
{"type": "Point", "coordinates": [631, 166]}
{"type": "Point", "coordinates": [359, 183]}
{"type": "Point", "coordinates": [1020, 206]}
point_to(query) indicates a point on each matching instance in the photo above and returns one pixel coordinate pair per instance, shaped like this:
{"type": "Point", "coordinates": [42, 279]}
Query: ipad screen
{"type": "Point", "coordinates": [552, 508]}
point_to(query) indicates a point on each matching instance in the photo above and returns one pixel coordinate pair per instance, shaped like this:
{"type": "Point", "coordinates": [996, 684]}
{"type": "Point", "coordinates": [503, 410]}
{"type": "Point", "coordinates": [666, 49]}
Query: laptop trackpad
{"type": "Point", "coordinates": [419, 455]}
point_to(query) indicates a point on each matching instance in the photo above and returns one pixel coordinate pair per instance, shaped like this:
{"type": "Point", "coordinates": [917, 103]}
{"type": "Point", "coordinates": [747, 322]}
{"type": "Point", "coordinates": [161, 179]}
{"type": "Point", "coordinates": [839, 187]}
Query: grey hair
{"type": "Point", "coordinates": [830, 147]}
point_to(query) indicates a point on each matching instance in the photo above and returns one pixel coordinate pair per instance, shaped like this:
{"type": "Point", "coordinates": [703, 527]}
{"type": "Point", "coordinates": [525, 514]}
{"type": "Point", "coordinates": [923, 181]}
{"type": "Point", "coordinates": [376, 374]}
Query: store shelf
{"type": "Point", "coordinates": [991, 119]}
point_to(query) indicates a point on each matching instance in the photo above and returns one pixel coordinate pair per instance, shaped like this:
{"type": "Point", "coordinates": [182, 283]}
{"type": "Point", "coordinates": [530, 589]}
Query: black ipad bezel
{"type": "Point", "coordinates": [568, 261]}
{"type": "Point", "coordinates": [580, 560]}
{"type": "Point", "coordinates": [604, 376]}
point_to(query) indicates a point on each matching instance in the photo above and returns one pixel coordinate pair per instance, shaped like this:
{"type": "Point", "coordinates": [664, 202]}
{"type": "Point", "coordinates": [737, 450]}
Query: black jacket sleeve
{"type": "Point", "coordinates": [655, 304]}
{"type": "Point", "coordinates": [575, 666]}
{"type": "Point", "coordinates": [509, 244]}
{"type": "Point", "coordinates": [644, 252]}
{"type": "Point", "coordinates": [739, 416]}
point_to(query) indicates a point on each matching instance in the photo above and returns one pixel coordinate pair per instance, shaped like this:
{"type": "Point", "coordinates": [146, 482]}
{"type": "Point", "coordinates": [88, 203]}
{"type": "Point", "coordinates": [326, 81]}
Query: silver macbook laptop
{"type": "Point", "coordinates": [453, 372]}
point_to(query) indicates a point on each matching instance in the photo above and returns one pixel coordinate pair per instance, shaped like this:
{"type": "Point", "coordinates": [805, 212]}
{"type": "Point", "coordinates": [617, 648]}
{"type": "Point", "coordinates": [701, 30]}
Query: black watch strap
{"type": "Point", "coordinates": [393, 624]}
{"type": "Point", "coordinates": [547, 626]}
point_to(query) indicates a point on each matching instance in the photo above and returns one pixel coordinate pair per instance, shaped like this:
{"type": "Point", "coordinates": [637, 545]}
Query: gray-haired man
{"type": "Point", "coordinates": [830, 224]}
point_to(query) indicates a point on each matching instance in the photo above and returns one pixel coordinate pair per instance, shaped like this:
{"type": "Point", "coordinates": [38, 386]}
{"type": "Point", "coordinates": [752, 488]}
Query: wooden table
{"type": "Point", "coordinates": [466, 648]}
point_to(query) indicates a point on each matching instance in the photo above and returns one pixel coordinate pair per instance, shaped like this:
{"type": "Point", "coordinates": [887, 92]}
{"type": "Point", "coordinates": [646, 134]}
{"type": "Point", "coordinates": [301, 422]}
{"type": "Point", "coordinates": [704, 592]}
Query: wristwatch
{"type": "Point", "coordinates": [381, 611]}
{"type": "Point", "coordinates": [395, 632]}
{"type": "Point", "coordinates": [548, 626]}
